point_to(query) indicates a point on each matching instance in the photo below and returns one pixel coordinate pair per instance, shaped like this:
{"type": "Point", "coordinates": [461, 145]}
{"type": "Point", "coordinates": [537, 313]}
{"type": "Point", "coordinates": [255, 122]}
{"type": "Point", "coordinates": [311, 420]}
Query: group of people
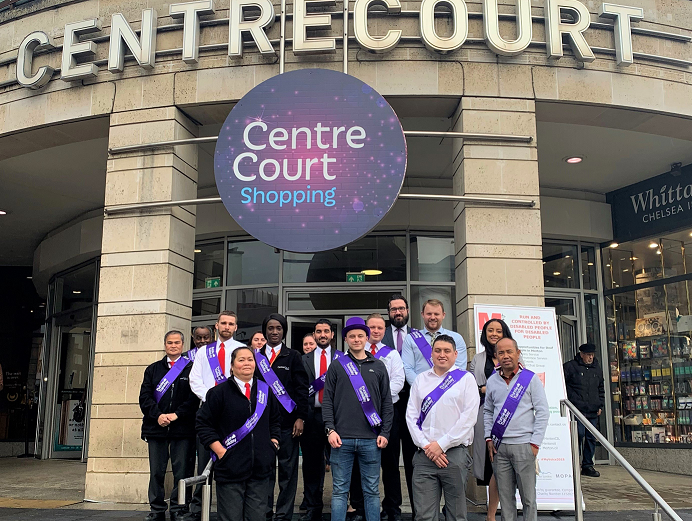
{"type": "Point", "coordinates": [394, 390]}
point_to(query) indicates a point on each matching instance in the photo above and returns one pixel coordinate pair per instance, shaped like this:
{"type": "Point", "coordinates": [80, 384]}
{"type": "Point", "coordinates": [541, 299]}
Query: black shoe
{"type": "Point", "coordinates": [590, 472]}
{"type": "Point", "coordinates": [156, 516]}
{"type": "Point", "coordinates": [311, 516]}
{"type": "Point", "coordinates": [192, 516]}
{"type": "Point", "coordinates": [303, 507]}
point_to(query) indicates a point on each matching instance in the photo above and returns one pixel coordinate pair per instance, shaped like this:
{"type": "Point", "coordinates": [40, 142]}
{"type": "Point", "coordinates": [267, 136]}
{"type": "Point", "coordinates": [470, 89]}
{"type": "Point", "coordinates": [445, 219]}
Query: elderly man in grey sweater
{"type": "Point", "coordinates": [515, 417]}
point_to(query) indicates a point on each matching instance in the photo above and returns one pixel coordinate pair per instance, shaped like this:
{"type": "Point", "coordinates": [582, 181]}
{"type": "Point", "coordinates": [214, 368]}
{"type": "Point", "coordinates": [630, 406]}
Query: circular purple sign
{"type": "Point", "coordinates": [310, 160]}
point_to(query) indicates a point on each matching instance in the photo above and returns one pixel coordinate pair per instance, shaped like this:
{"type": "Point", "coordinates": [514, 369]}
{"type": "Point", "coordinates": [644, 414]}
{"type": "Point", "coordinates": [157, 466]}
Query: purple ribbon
{"type": "Point", "coordinates": [170, 377]}
{"type": "Point", "coordinates": [434, 396]}
{"type": "Point", "coordinates": [361, 391]}
{"type": "Point", "coordinates": [276, 386]}
{"type": "Point", "coordinates": [382, 352]}
{"type": "Point", "coordinates": [237, 435]}
{"type": "Point", "coordinates": [423, 345]}
{"type": "Point", "coordinates": [318, 384]}
{"type": "Point", "coordinates": [192, 353]}
{"type": "Point", "coordinates": [213, 358]}
{"type": "Point", "coordinates": [510, 406]}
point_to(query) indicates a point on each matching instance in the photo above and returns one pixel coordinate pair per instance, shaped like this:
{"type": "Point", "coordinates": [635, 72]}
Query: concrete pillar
{"type": "Point", "coordinates": [145, 289]}
{"type": "Point", "coordinates": [498, 249]}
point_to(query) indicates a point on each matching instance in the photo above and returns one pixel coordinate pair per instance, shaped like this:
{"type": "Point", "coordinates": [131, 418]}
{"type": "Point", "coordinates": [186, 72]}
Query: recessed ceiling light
{"type": "Point", "coordinates": [658, 252]}
{"type": "Point", "coordinates": [372, 272]}
{"type": "Point", "coordinates": [567, 256]}
{"type": "Point", "coordinates": [591, 264]}
{"type": "Point", "coordinates": [556, 273]}
{"type": "Point", "coordinates": [76, 291]}
{"type": "Point", "coordinates": [573, 160]}
{"type": "Point", "coordinates": [614, 245]}
{"type": "Point", "coordinates": [607, 265]}
{"type": "Point", "coordinates": [569, 277]}
{"type": "Point", "coordinates": [655, 244]}
{"type": "Point", "coordinates": [198, 251]}
{"type": "Point", "coordinates": [3, 212]}
{"type": "Point", "coordinates": [625, 270]}
{"type": "Point", "coordinates": [29, 277]}
{"type": "Point", "coordinates": [633, 258]}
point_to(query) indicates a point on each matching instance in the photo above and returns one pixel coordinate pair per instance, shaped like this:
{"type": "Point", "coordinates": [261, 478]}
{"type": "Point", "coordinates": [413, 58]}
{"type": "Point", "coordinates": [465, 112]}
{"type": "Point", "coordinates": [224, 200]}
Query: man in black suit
{"type": "Point", "coordinates": [314, 439]}
{"type": "Point", "coordinates": [394, 337]}
{"type": "Point", "coordinates": [288, 367]}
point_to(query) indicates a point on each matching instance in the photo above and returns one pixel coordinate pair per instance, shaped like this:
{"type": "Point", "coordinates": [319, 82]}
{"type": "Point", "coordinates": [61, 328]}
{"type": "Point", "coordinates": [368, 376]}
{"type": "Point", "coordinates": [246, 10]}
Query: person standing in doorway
{"type": "Point", "coordinates": [482, 366]}
{"type": "Point", "coordinates": [441, 415]}
{"type": "Point", "coordinates": [210, 368]}
{"type": "Point", "coordinates": [584, 382]}
{"type": "Point", "coordinates": [391, 480]}
{"type": "Point", "coordinates": [309, 343]}
{"type": "Point", "coordinates": [257, 341]}
{"type": "Point", "coordinates": [282, 368]}
{"type": "Point", "coordinates": [313, 441]}
{"type": "Point", "coordinates": [357, 411]}
{"type": "Point", "coordinates": [168, 426]}
{"type": "Point", "coordinates": [241, 423]}
{"type": "Point", "coordinates": [515, 417]}
{"type": "Point", "coordinates": [394, 336]}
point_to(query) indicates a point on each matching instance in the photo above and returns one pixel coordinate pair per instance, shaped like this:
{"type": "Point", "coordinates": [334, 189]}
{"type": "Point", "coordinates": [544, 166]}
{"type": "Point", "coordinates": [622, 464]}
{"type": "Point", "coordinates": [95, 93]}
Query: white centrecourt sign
{"type": "Point", "coordinates": [535, 330]}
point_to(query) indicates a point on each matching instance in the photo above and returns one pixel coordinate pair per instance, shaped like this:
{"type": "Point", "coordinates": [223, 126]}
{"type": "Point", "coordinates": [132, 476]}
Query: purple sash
{"type": "Point", "coordinates": [510, 406]}
{"type": "Point", "coordinates": [423, 345]}
{"type": "Point", "coordinates": [361, 391]}
{"type": "Point", "coordinates": [434, 396]}
{"type": "Point", "coordinates": [383, 351]}
{"type": "Point", "coordinates": [213, 359]}
{"type": "Point", "coordinates": [170, 377]}
{"type": "Point", "coordinates": [277, 387]}
{"type": "Point", "coordinates": [318, 384]}
{"type": "Point", "coordinates": [234, 438]}
{"type": "Point", "coordinates": [192, 353]}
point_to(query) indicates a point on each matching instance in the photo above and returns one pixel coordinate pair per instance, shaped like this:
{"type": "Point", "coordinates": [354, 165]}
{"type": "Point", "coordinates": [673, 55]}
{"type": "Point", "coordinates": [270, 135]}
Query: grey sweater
{"type": "Point", "coordinates": [530, 420]}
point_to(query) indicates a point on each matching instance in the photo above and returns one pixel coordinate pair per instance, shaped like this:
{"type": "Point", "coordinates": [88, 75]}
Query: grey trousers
{"type": "Point", "coordinates": [243, 501]}
{"type": "Point", "coordinates": [515, 467]}
{"type": "Point", "coordinates": [430, 481]}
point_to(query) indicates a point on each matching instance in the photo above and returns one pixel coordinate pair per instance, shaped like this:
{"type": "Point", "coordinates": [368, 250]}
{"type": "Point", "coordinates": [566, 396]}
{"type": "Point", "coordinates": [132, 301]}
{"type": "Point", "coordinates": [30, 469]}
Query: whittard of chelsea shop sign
{"type": "Point", "coordinates": [657, 205]}
{"type": "Point", "coordinates": [310, 160]}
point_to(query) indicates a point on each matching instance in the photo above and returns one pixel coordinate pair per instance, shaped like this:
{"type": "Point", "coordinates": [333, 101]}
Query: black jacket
{"type": "Point", "coordinates": [309, 364]}
{"type": "Point", "coordinates": [178, 399]}
{"type": "Point", "coordinates": [585, 386]}
{"type": "Point", "coordinates": [341, 409]}
{"type": "Point", "coordinates": [389, 340]}
{"type": "Point", "coordinates": [226, 410]}
{"type": "Point", "coordinates": [290, 370]}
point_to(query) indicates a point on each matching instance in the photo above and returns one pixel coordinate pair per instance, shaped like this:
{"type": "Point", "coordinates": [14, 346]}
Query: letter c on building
{"type": "Point", "coordinates": [25, 58]}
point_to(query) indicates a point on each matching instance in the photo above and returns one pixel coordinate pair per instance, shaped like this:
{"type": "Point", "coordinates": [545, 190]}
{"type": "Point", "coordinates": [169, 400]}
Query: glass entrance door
{"type": "Point", "coordinates": [298, 327]}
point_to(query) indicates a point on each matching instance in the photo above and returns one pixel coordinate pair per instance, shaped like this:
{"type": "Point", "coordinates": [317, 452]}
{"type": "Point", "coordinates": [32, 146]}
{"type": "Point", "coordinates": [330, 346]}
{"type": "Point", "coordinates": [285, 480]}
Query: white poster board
{"type": "Point", "coordinates": [535, 331]}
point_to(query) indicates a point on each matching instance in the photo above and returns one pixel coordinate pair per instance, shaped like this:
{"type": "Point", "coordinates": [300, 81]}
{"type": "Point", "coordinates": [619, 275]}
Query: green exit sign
{"type": "Point", "coordinates": [212, 282]}
{"type": "Point", "coordinates": [355, 277]}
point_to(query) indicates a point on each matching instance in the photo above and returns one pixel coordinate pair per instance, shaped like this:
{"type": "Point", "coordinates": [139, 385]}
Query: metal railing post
{"type": "Point", "coordinates": [206, 501]}
{"type": "Point", "coordinates": [576, 470]}
{"type": "Point", "coordinates": [182, 486]}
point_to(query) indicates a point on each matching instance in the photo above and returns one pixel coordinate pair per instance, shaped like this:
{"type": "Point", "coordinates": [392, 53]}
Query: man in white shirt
{"type": "Point", "coordinates": [441, 414]}
{"type": "Point", "coordinates": [391, 480]}
{"type": "Point", "coordinates": [202, 379]}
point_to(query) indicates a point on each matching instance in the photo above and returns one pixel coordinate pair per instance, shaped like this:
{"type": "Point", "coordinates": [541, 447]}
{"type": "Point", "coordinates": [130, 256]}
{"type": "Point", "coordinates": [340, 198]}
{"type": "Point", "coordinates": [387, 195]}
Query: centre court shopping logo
{"type": "Point", "coordinates": [310, 160]}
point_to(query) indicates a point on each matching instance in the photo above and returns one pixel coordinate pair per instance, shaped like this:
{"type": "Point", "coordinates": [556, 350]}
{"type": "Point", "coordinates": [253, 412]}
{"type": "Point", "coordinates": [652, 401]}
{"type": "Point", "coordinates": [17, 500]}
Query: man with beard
{"type": "Point", "coordinates": [282, 369]}
{"type": "Point", "coordinates": [394, 337]}
{"type": "Point", "coordinates": [313, 441]}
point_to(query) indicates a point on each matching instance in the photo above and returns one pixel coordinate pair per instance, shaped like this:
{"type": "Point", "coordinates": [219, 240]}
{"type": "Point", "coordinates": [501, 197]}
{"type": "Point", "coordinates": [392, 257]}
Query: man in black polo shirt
{"type": "Point", "coordinates": [358, 414]}
{"type": "Point", "coordinates": [169, 408]}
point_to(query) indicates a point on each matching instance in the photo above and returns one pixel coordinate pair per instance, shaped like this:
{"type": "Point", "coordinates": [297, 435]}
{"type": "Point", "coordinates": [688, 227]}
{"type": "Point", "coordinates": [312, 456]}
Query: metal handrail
{"type": "Point", "coordinates": [206, 490]}
{"type": "Point", "coordinates": [566, 408]}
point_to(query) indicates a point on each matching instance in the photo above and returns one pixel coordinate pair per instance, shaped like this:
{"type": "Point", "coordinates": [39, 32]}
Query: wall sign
{"type": "Point", "coordinates": [310, 160]}
{"type": "Point", "coordinates": [657, 205]}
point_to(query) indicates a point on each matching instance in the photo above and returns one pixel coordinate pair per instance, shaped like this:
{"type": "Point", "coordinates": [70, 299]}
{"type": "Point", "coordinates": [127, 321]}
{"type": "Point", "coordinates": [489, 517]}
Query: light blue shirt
{"type": "Point", "coordinates": [415, 363]}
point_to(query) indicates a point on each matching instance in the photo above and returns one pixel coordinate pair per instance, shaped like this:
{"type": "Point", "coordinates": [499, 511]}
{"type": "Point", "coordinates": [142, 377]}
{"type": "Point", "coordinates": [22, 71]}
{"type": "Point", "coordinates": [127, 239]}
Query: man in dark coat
{"type": "Point", "coordinates": [584, 381]}
{"type": "Point", "coordinates": [169, 408]}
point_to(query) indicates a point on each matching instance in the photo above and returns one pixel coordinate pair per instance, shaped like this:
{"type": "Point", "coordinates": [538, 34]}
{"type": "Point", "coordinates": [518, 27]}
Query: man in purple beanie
{"type": "Point", "coordinates": [358, 414]}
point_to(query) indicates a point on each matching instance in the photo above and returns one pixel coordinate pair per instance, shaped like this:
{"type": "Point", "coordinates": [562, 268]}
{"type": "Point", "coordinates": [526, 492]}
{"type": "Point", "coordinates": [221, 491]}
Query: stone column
{"type": "Point", "coordinates": [145, 289]}
{"type": "Point", "coordinates": [498, 249]}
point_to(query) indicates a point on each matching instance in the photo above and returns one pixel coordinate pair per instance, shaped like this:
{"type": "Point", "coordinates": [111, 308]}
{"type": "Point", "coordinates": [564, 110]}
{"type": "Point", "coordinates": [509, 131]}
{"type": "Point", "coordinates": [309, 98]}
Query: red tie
{"type": "Point", "coordinates": [222, 359]}
{"type": "Point", "coordinates": [271, 360]}
{"type": "Point", "coordinates": [373, 349]}
{"type": "Point", "coordinates": [247, 390]}
{"type": "Point", "coordinates": [323, 369]}
{"type": "Point", "coordinates": [170, 364]}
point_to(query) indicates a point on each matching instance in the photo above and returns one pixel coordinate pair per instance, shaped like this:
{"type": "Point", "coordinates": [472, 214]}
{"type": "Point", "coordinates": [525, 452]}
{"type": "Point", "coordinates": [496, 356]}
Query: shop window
{"type": "Point", "coordinates": [432, 259]}
{"type": "Point", "coordinates": [588, 267]}
{"type": "Point", "coordinates": [75, 289]}
{"type": "Point", "coordinates": [445, 294]}
{"type": "Point", "coordinates": [208, 266]}
{"type": "Point", "coordinates": [251, 305]}
{"type": "Point", "coordinates": [318, 301]}
{"type": "Point", "coordinates": [378, 257]}
{"type": "Point", "coordinates": [251, 262]}
{"type": "Point", "coordinates": [559, 265]}
{"type": "Point", "coordinates": [206, 306]}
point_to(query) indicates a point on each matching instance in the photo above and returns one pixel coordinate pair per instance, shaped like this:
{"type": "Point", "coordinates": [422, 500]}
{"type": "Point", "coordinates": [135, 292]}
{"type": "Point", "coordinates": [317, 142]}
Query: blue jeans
{"type": "Point", "coordinates": [588, 442]}
{"type": "Point", "coordinates": [342, 464]}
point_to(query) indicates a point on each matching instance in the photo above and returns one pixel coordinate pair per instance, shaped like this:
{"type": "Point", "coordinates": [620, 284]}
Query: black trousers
{"type": "Point", "coordinates": [391, 480]}
{"type": "Point", "coordinates": [313, 443]}
{"type": "Point", "coordinates": [408, 448]}
{"type": "Point", "coordinates": [182, 456]}
{"type": "Point", "coordinates": [243, 501]}
{"type": "Point", "coordinates": [288, 476]}
{"type": "Point", "coordinates": [203, 457]}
